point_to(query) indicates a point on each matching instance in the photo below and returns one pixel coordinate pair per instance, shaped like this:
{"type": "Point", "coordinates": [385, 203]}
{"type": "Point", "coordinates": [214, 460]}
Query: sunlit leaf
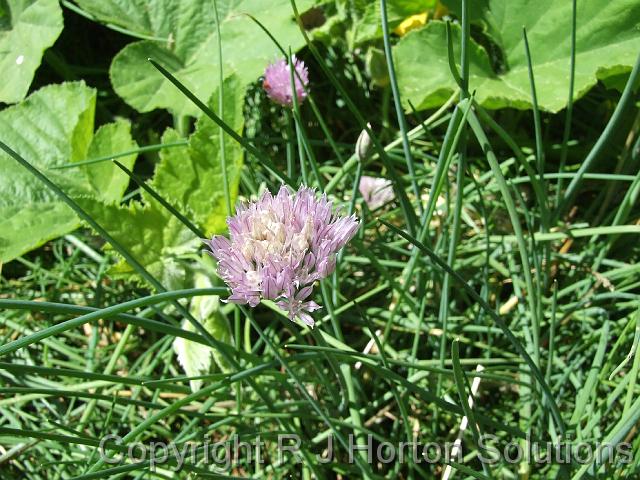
{"type": "Point", "coordinates": [607, 41]}
{"type": "Point", "coordinates": [52, 127]}
{"type": "Point", "coordinates": [109, 183]}
{"type": "Point", "coordinates": [187, 45]}
{"type": "Point", "coordinates": [190, 179]}
{"type": "Point", "coordinates": [191, 176]}
{"type": "Point", "coordinates": [27, 29]}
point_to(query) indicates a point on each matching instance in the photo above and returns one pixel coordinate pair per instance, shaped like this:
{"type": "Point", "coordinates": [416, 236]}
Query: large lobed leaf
{"type": "Point", "coordinates": [27, 29]}
{"type": "Point", "coordinates": [187, 45]}
{"type": "Point", "coordinates": [197, 184]}
{"type": "Point", "coordinates": [52, 127]}
{"type": "Point", "coordinates": [190, 179]}
{"type": "Point", "coordinates": [607, 42]}
{"type": "Point", "coordinates": [107, 182]}
{"type": "Point", "coordinates": [150, 233]}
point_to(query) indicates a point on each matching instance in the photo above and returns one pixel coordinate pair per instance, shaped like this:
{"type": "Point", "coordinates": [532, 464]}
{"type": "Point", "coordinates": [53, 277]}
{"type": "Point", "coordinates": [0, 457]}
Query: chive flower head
{"type": "Point", "coordinates": [279, 246]}
{"type": "Point", "coordinates": [277, 81]}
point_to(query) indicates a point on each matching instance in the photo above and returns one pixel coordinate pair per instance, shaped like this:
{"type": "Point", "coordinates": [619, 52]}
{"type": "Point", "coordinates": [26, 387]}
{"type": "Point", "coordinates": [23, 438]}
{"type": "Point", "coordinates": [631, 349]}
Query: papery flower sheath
{"type": "Point", "coordinates": [279, 246]}
{"type": "Point", "coordinates": [277, 81]}
{"type": "Point", "coordinates": [375, 191]}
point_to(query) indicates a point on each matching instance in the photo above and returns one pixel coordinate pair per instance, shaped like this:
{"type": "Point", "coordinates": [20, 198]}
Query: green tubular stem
{"type": "Point", "coordinates": [395, 91]}
{"type": "Point", "coordinates": [145, 149]}
{"type": "Point", "coordinates": [223, 156]}
{"type": "Point", "coordinates": [495, 317]}
{"type": "Point", "coordinates": [103, 313]}
{"type": "Point", "coordinates": [153, 325]}
{"type": "Point", "coordinates": [569, 113]}
{"type": "Point", "coordinates": [515, 222]}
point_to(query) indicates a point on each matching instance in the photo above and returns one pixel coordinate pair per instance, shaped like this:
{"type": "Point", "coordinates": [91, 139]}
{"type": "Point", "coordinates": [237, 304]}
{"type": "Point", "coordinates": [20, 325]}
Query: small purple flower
{"type": "Point", "coordinates": [277, 81]}
{"type": "Point", "coordinates": [278, 247]}
{"type": "Point", "coordinates": [375, 191]}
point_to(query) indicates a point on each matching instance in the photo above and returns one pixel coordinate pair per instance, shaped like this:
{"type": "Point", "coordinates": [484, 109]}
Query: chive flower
{"type": "Point", "coordinates": [375, 191]}
{"type": "Point", "coordinates": [278, 247]}
{"type": "Point", "coordinates": [277, 81]}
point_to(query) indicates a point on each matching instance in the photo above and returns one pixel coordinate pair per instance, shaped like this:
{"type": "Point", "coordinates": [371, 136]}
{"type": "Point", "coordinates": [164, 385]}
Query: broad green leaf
{"type": "Point", "coordinates": [191, 177]}
{"type": "Point", "coordinates": [423, 51]}
{"type": "Point", "coordinates": [607, 42]}
{"type": "Point", "coordinates": [27, 29]}
{"type": "Point", "coordinates": [52, 127]}
{"type": "Point", "coordinates": [157, 239]}
{"type": "Point", "coordinates": [151, 234]}
{"type": "Point", "coordinates": [23, 228]}
{"type": "Point", "coordinates": [109, 183]}
{"type": "Point", "coordinates": [615, 80]}
{"type": "Point", "coordinates": [195, 358]}
{"type": "Point", "coordinates": [188, 45]}
{"type": "Point", "coordinates": [141, 17]}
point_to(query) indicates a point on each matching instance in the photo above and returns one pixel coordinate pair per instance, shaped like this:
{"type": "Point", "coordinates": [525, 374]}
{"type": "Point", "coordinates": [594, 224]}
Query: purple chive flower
{"type": "Point", "coordinates": [375, 191]}
{"type": "Point", "coordinates": [278, 247]}
{"type": "Point", "coordinates": [277, 81]}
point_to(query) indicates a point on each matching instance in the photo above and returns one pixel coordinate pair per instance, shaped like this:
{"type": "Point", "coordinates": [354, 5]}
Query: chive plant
{"type": "Point", "coordinates": [482, 320]}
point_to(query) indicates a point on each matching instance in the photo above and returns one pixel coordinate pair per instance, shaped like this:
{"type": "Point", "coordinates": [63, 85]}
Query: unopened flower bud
{"type": "Point", "coordinates": [363, 145]}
